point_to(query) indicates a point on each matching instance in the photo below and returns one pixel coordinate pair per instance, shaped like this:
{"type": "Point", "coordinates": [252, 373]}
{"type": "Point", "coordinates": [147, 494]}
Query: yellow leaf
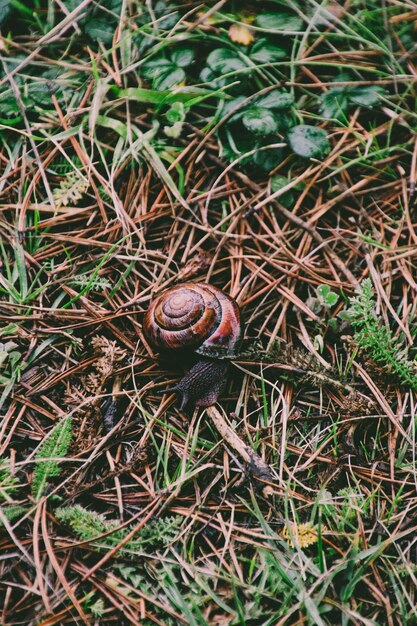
{"type": "Point", "coordinates": [240, 34]}
{"type": "Point", "coordinates": [247, 16]}
{"type": "Point", "coordinates": [302, 535]}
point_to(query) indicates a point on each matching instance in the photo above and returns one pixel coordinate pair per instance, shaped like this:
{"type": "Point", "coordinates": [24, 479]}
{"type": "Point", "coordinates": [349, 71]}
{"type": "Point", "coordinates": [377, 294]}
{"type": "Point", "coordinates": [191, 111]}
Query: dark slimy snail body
{"type": "Point", "coordinates": [200, 318]}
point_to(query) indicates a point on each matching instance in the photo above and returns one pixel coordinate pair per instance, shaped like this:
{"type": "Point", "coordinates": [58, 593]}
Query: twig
{"type": "Point", "coordinates": [258, 468]}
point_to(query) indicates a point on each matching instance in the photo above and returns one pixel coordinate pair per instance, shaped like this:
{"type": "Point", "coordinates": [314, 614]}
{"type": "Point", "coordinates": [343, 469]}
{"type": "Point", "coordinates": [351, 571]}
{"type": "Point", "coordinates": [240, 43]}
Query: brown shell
{"type": "Point", "coordinates": [197, 316]}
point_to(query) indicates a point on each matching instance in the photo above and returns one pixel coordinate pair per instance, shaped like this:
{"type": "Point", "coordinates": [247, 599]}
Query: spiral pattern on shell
{"type": "Point", "coordinates": [196, 316]}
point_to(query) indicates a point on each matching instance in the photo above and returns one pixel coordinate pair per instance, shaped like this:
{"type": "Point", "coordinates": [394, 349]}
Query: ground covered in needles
{"type": "Point", "coordinates": [268, 148]}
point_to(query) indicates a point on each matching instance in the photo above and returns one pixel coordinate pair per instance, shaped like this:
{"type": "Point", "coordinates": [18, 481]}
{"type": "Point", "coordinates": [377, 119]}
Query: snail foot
{"type": "Point", "coordinates": [203, 384]}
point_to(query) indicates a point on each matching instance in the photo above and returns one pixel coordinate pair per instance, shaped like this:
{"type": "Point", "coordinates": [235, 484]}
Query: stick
{"type": "Point", "coordinates": [257, 467]}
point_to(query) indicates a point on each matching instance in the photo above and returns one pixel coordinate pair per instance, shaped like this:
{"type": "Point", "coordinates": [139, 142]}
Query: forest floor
{"type": "Point", "coordinates": [270, 149]}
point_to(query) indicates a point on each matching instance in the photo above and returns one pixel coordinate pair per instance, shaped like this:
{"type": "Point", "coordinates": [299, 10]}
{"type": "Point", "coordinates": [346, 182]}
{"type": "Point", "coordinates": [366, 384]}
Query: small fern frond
{"type": "Point", "coordinates": [376, 339]}
{"type": "Point", "coordinates": [70, 191]}
{"type": "Point", "coordinates": [88, 525]}
{"type": "Point", "coordinates": [53, 448]}
{"type": "Point", "coordinates": [98, 283]}
{"type": "Point", "coordinates": [11, 512]}
{"type": "Point", "coordinates": [62, 165]}
{"type": "Point", "coordinates": [8, 482]}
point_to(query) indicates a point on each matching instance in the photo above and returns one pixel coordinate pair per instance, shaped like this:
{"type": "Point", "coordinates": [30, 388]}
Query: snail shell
{"type": "Point", "coordinates": [194, 316]}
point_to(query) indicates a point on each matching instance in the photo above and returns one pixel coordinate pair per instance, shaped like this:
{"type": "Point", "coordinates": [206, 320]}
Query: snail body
{"type": "Point", "coordinates": [196, 317]}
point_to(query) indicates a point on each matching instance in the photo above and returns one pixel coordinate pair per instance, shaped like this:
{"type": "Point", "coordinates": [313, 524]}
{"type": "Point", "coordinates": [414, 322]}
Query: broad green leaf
{"type": "Point", "coordinates": [268, 159]}
{"type": "Point", "coordinates": [169, 79]}
{"type": "Point", "coordinates": [263, 52]}
{"type": "Point", "coordinates": [308, 141]}
{"type": "Point", "coordinates": [234, 105]}
{"type": "Point", "coordinates": [224, 60]}
{"type": "Point", "coordinates": [166, 15]}
{"type": "Point", "coordinates": [276, 99]}
{"type": "Point", "coordinates": [323, 291]}
{"type": "Point", "coordinates": [285, 121]}
{"type": "Point", "coordinates": [5, 7]}
{"type": "Point", "coordinates": [259, 121]}
{"type": "Point", "coordinates": [367, 96]}
{"type": "Point", "coordinates": [101, 29]}
{"type": "Point", "coordinates": [182, 57]}
{"type": "Point", "coordinates": [278, 182]}
{"type": "Point", "coordinates": [334, 103]}
{"type": "Point", "coordinates": [282, 21]}
{"type": "Point", "coordinates": [207, 75]}
{"type": "Point", "coordinates": [237, 145]}
{"type": "Point", "coordinates": [154, 67]}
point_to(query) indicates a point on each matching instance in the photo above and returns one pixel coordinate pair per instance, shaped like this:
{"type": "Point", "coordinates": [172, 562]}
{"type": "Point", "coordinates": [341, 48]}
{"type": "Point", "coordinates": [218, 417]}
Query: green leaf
{"type": "Point", "coordinates": [282, 21]}
{"type": "Point", "coordinates": [54, 447]}
{"type": "Point", "coordinates": [176, 113]}
{"type": "Point", "coordinates": [278, 182]}
{"type": "Point", "coordinates": [208, 76]}
{"type": "Point", "coordinates": [285, 121]}
{"type": "Point", "coordinates": [308, 141]}
{"type": "Point", "coordinates": [183, 57]}
{"type": "Point", "coordinates": [234, 105]}
{"type": "Point", "coordinates": [332, 298]}
{"type": "Point", "coordinates": [266, 52]}
{"type": "Point", "coordinates": [267, 160]}
{"type": "Point", "coordinates": [237, 145]}
{"type": "Point", "coordinates": [166, 15]}
{"type": "Point", "coordinates": [259, 121]}
{"type": "Point", "coordinates": [334, 103]}
{"type": "Point", "coordinates": [323, 291]}
{"type": "Point", "coordinates": [5, 7]}
{"type": "Point", "coordinates": [224, 60]}
{"type": "Point", "coordinates": [365, 96]}
{"type": "Point", "coordinates": [101, 29]}
{"type": "Point", "coordinates": [154, 67]}
{"type": "Point", "coordinates": [89, 524]}
{"type": "Point", "coordinates": [327, 297]}
{"type": "Point", "coordinates": [170, 78]}
{"type": "Point", "coordinates": [12, 511]}
{"type": "Point", "coordinates": [276, 99]}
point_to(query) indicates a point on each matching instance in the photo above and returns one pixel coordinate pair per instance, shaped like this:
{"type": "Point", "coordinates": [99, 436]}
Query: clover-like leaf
{"type": "Point", "coordinates": [259, 121]}
{"type": "Point", "coordinates": [281, 21]}
{"type": "Point", "coordinates": [308, 141]}
{"type": "Point", "coordinates": [5, 8]}
{"type": "Point", "coordinates": [334, 103]}
{"type": "Point", "coordinates": [264, 52]}
{"type": "Point", "coordinates": [170, 78]}
{"type": "Point", "coordinates": [276, 99]}
{"type": "Point", "coordinates": [224, 60]}
{"type": "Point", "coordinates": [182, 57]}
{"type": "Point", "coordinates": [367, 96]}
{"type": "Point", "coordinates": [233, 105]}
{"type": "Point", "coordinates": [101, 28]}
{"type": "Point", "coordinates": [268, 159]}
{"type": "Point", "coordinates": [278, 182]}
{"type": "Point", "coordinates": [155, 67]}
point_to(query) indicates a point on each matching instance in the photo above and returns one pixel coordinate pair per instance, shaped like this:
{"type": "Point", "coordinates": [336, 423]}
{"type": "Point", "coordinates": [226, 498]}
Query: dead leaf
{"type": "Point", "coordinates": [196, 265]}
{"type": "Point", "coordinates": [239, 33]}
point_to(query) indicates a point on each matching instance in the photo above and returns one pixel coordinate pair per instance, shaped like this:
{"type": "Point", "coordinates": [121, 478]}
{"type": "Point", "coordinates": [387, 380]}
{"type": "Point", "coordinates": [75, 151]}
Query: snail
{"type": "Point", "coordinates": [200, 318]}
